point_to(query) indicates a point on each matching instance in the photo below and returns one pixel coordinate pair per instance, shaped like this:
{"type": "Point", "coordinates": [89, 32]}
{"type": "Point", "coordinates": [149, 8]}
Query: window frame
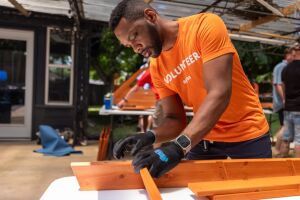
{"type": "Point", "coordinates": [49, 65]}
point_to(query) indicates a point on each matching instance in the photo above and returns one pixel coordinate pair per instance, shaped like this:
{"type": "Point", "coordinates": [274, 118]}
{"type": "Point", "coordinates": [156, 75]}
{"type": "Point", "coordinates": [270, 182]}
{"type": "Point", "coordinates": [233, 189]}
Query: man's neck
{"type": "Point", "coordinates": [169, 33]}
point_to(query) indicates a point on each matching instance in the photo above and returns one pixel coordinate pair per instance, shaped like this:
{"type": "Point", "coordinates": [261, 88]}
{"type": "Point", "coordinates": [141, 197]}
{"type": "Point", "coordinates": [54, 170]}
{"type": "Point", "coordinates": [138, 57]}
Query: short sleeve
{"type": "Point", "coordinates": [158, 83]}
{"type": "Point", "coordinates": [213, 39]}
{"type": "Point", "coordinates": [145, 78]}
{"type": "Point", "coordinates": [277, 74]}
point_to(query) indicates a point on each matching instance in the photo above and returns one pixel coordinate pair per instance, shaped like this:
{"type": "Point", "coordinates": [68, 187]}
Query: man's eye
{"type": "Point", "coordinates": [132, 37]}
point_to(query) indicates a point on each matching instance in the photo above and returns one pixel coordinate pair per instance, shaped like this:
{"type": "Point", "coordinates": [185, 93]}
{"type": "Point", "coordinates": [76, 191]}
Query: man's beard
{"type": "Point", "coordinates": [155, 40]}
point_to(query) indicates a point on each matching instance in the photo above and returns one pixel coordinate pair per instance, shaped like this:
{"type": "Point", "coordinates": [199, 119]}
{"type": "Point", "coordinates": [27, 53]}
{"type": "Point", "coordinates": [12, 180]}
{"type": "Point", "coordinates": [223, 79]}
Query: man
{"type": "Point", "coordinates": [291, 82]}
{"type": "Point", "coordinates": [194, 63]}
{"type": "Point", "coordinates": [278, 98]}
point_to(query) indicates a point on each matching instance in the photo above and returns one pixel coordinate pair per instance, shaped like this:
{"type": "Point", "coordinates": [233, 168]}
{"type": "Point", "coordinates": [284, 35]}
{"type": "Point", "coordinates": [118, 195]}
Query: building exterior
{"type": "Point", "coordinates": [44, 67]}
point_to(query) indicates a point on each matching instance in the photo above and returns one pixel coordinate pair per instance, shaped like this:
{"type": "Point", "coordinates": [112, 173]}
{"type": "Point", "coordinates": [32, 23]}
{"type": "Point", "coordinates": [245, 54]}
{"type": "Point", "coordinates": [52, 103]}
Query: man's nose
{"type": "Point", "coordinates": [137, 48]}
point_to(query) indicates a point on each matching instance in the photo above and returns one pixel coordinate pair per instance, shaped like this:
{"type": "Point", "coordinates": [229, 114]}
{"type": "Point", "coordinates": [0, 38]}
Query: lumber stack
{"type": "Point", "coordinates": [103, 143]}
{"type": "Point", "coordinates": [216, 179]}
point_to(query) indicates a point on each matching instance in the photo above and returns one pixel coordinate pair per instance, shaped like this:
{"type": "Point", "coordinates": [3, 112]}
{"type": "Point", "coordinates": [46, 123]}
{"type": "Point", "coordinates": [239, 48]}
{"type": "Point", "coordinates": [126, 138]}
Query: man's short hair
{"type": "Point", "coordinates": [296, 47]}
{"type": "Point", "coordinates": [129, 9]}
{"type": "Point", "coordinates": [288, 51]}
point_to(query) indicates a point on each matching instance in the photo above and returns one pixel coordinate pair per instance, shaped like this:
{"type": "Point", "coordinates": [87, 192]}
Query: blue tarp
{"type": "Point", "coordinates": [53, 144]}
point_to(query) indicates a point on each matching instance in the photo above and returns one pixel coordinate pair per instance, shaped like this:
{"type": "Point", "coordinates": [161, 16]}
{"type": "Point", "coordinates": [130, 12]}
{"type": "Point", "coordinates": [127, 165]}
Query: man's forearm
{"type": "Point", "coordinates": [170, 127]}
{"type": "Point", "coordinates": [279, 89]}
{"type": "Point", "coordinates": [207, 116]}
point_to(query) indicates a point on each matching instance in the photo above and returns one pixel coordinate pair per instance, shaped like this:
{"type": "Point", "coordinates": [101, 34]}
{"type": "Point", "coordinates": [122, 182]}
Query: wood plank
{"type": "Point", "coordinates": [134, 108]}
{"type": "Point", "coordinates": [210, 188]}
{"type": "Point", "coordinates": [103, 144]}
{"type": "Point", "coordinates": [100, 145]}
{"type": "Point", "coordinates": [20, 8]}
{"type": "Point", "coordinates": [285, 11]}
{"type": "Point", "coordinates": [109, 175]}
{"type": "Point", "coordinates": [258, 195]}
{"type": "Point", "coordinates": [125, 87]}
{"type": "Point", "coordinates": [271, 8]}
{"type": "Point", "coordinates": [150, 185]}
{"type": "Point", "coordinates": [106, 175]}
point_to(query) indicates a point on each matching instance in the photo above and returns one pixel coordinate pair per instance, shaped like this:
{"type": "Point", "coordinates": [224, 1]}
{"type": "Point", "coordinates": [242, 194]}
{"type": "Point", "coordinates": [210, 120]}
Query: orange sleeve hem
{"type": "Point", "coordinates": [166, 94]}
{"type": "Point", "coordinates": [221, 52]}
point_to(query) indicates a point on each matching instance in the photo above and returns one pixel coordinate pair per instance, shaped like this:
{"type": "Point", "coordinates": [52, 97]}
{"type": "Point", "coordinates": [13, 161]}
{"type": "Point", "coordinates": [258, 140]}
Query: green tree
{"type": "Point", "coordinates": [258, 59]}
{"type": "Point", "coordinates": [113, 58]}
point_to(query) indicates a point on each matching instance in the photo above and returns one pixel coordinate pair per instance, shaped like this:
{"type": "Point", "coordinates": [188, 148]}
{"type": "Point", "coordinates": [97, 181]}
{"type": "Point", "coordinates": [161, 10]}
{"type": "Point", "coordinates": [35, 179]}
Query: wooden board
{"type": "Point", "coordinates": [109, 175]}
{"type": "Point", "coordinates": [125, 87]}
{"type": "Point", "coordinates": [210, 188]}
{"type": "Point", "coordinates": [258, 195]}
{"type": "Point", "coordinates": [135, 107]}
{"type": "Point", "coordinates": [103, 143]}
{"type": "Point", "coordinates": [152, 190]}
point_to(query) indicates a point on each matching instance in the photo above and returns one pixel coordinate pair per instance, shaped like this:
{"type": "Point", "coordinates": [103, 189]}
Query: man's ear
{"type": "Point", "coordinates": [150, 15]}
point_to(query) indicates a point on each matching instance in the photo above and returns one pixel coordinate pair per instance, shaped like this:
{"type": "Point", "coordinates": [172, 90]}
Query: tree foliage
{"type": "Point", "coordinates": [258, 59]}
{"type": "Point", "coordinates": [113, 57]}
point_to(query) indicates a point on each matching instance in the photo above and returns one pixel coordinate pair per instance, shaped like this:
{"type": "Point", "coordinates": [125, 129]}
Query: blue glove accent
{"type": "Point", "coordinates": [162, 156]}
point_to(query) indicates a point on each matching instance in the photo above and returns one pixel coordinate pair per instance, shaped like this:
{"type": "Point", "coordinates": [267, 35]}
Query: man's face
{"type": "Point", "coordinates": [289, 57]}
{"type": "Point", "coordinates": [141, 35]}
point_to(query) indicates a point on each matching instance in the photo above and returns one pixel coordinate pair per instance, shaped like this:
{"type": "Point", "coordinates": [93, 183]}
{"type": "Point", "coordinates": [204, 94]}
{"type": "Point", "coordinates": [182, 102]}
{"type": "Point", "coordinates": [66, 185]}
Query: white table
{"type": "Point", "coordinates": [116, 111]}
{"type": "Point", "coordinates": [67, 188]}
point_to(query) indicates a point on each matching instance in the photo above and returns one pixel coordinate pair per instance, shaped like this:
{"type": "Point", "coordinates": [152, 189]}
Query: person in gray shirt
{"type": "Point", "coordinates": [278, 98]}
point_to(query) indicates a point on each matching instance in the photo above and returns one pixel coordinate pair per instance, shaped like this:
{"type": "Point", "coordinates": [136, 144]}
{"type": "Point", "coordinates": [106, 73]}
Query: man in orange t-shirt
{"type": "Point", "coordinates": [195, 64]}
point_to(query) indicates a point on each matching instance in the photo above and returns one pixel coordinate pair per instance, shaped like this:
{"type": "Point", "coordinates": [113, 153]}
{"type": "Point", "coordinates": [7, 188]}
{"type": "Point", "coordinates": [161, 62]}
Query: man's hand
{"type": "Point", "coordinates": [122, 103]}
{"type": "Point", "coordinates": [160, 160]}
{"type": "Point", "coordinates": [138, 141]}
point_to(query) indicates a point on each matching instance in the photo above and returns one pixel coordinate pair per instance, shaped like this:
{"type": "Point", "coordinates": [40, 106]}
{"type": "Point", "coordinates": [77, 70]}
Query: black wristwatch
{"type": "Point", "coordinates": [184, 142]}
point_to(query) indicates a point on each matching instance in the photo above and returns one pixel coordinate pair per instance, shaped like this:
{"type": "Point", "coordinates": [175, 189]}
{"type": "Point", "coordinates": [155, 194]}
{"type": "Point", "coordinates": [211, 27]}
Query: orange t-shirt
{"type": "Point", "coordinates": [202, 38]}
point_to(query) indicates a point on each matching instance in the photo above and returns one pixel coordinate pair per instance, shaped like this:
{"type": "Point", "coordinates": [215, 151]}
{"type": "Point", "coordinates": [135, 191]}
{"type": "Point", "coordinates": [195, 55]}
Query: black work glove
{"type": "Point", "coordinates": [138, 141]}
{"type": "Point", "coordinates": [160, 160]}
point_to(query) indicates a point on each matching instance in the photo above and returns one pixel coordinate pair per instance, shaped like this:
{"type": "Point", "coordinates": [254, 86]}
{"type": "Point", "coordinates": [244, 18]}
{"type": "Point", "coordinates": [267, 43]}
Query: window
{"type": "Point", "coordinates": [59, 67]}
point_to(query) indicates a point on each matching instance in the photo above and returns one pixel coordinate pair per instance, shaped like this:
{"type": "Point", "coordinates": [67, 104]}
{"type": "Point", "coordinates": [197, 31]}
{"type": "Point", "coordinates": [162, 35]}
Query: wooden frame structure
{"type": "Point", "coordinates": [113, 175]}
{"type": "Point", "coordinates": [217, 179]}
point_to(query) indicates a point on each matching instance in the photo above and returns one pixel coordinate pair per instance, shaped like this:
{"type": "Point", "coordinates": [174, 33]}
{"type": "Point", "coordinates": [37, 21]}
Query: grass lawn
{"type": "Point", "coordinates": [273, 122]}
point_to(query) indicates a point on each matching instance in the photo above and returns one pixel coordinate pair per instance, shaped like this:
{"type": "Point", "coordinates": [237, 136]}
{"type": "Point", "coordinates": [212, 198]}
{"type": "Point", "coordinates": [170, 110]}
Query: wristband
{"type": "Point", "coordinates": [153, 133]}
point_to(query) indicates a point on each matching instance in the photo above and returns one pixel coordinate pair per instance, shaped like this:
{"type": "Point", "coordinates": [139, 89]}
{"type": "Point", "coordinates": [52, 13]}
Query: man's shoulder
{"type": "Point", "coordinates": [280, 65]}
{"type": "Point", "coordinates": [295, 63]}
{"type": "Point", "coordinates": [197, 17]}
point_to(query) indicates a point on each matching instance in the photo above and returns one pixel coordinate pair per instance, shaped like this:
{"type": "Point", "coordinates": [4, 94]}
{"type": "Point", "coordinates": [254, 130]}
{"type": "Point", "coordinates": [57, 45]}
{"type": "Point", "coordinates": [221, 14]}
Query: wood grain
{"type": "Point", "coordinates": [106, 175]}
{"type": "Point", "coordinates": [103, 143]}
{"type": "Point", "coordinates": [258, 195]}
{"type": "Point", "coordinates": [150, 185]}
{"type": "Point", "coordinates": [210, 188]}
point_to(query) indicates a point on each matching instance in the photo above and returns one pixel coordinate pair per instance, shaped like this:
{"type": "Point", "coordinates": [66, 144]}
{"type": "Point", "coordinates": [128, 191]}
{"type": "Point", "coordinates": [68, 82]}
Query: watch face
{"type": "Point", "coordinates": [183, 141]}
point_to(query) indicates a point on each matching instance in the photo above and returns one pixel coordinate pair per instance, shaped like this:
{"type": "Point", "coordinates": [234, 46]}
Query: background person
{"type": "Point", "coordinates": [278, 98]}
{"type": "Point", "coordinates": [291, 83]}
